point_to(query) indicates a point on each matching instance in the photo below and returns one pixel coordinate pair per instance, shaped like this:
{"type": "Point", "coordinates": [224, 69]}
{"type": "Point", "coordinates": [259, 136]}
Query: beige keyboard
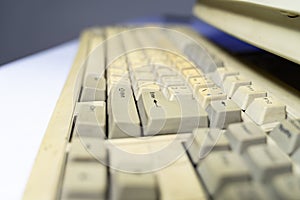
{"type": "Point", "coordinates": [161, 113]}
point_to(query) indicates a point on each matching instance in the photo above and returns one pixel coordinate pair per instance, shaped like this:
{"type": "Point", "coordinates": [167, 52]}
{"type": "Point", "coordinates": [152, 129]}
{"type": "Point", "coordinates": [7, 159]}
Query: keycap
{"type": "Point", "coordinates": [189, 73]}
{"type": "Point", "coordinates": [231, 84]}
{"type": "Point", "coordinates": [115, 81]}
{"type": "Point", "coordinates": [119, 63]}
{"type": "Point", "coordinates": [123, 117]}
{"type": "Point", "coordinates": [266, 161]}
{"type": "Point", "coordinates": [130, 186]}
{"type": "Point", "coordinates": [244, 95]}
{"type": "Point", "coordinates": [136, 63]}
{"type": "Point", "coordinates": [145, 87]}
{"type": "Point", "coordinates": [165, 72]}
{"type": "Point", "coordinates": [206, 95]}
{"type": "Point", "coordinates": [203, 141]}
{"type": "Point", "coordinates": [200, 82]}
{"type": "Point", "coordinates": [173, 179]}
{"type": "Point", "coordinates": [220, 75]}
{"type": "Point", "coordinates": [91, 119]}
{"type": "Point", "coordinates": [130, 155]}
{"type": "Point", "coordinates": [243, 135]}
{"type": "Point", "coordinates": [162, 62]}
{"type": "Point", "coordinates": [114, 47]}
{"type": "Point", "coordinates": [245, 191]}
{"type": "Point", "coordinates": [183, 64]}
{"type": "Point", "coordinates": [87, 149]}
{"type": "Point", "coordinates": [286, 186]}
{"type": "Point", "coordinates": [192, 115]}
{"type": "Point", "coordinates": [94, 88]}
{"type": "Point", "coordinates": [86, 180]}
{"type": "Point", "coordinates": [296, 156]}
{"type": "Point", "coordinates": [266, 110]}
{"type": "Point", "coordinates": [199, 55]}
{"type": "Point", "coordinates": [95, 63]}
{"type": "Point", "coordinates": [144, 76]}
{"type": "Point", "coordinates": [141, 68]}
{"type": "Point", "coordinates": [172, 81]}
{"type": "Point", "coordinates": [217, 60]}
{"type": "Point", "coordinates": [159, 115]}
{"type": "Point", "coordinates": [287, 135]}
{"type": "Point", "coordinates": [221, 168]}
{"type": "Point", "coordinates": [223, 112]}
{"type": "Point", "coordinates": [116, 72]}
{"type": "Point", "coordinates": [182, 92]}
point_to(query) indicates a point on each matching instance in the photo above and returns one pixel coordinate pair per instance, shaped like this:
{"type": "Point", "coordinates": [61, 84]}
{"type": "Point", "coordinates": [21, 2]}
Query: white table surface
{"type": "Point", "coordinates": [29, 90]}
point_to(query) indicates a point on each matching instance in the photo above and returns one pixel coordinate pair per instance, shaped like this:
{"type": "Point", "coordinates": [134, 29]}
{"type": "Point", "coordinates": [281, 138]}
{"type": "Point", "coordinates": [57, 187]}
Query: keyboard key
{"type": "Point", "coordinates": [245, 191]}
{"type": "Point", "coordinates": [223, 112]}
{"type": "Point", "coordinates": [159, 115]}
{"type": "Point", "coordinates": [119, 63]}
{"type": "Point", "coordinates": [183, 64]}
{"type": "Point", "coordinates": [231, 84]}
{"type": "Point", "coordinates": [129, 186]}
{"type": "Point", "coordinates": [181, 92]}
{"type": "Point", "coordinates": [221, 168]}
{"type": "Point", "coordinates": [116, 72]}
{"type": "Point", "coordinates": [206, 95]}
{"type": "Point", "coordinates": [266, 161]}
{"type": "Point", "coordinates": [95, 63]}
{"type": "Point", "coordinates": [199, 56]}
{"type": "Point", "coordinates": [244, 95]}
{"type": "Point", "coordinates": [218, 62]}
{"type": "Point", "coordinates": [117, 81]}
{"type": "Point", "coordinates": [200, 82]}
{"type": "Point", "coordinates": [189, 73]}
{"type": "Point", "coordinates": [220, 75]}
{"type": "Point", "coordinates": [123, 117]}
{"type": "Point", "coordinates": [266, 110]}
{"type": "Point", "coordinates": [161, 72]}
{"type": "Point", "coordinates": [286, 186]}
{"type": "Point", "coordinates": [296, 156]}
{"type": "Point", "coordinates": [137, 62]}
{"type": "Point", "coordinates": [172, 81]}
{"type": "Point", "coordinates": [91, 119]}
{"type": "Point", "coordinates": [145, 86]}
{"type": "Point", "coordinates": [192, 115]}
{"type": "Point", "coordinates": [287, 135]}
{"type": "Point", "coordinates": [243, 135]}
{"type": "Point", "coordinates": [173, 180]}
{"type": "Point", "coordinates": [141, 68]}
{"type": "Point", "coordinates": [94, 89]}
{"type": "Point", "coordinates": [85, 181]}
{"type": "Point", "coordinates": [87, 149]}
{"type": "Point", "coordinates": [203, 141]}
{"type": "Point", "coordinates": [144, 76]}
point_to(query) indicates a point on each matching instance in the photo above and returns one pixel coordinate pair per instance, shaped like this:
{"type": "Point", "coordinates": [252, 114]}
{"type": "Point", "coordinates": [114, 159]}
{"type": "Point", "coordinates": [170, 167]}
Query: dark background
{"type": "Point", "coordinates": [28, 26]}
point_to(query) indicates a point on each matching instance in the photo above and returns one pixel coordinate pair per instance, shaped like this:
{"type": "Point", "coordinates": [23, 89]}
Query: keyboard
{"type": "Point", "coordinates": [160, 112]}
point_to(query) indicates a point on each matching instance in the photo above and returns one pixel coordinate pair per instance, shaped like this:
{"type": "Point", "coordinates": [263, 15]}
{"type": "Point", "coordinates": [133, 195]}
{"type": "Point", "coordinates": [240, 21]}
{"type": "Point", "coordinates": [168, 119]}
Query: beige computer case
{"type": "Point", "coordinates": [268, 24]}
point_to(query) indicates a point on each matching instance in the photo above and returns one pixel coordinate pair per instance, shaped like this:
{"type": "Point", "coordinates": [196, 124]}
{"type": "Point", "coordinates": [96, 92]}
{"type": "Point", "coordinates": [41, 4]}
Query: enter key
{"type": "Point", "coordinates": [159, 115]}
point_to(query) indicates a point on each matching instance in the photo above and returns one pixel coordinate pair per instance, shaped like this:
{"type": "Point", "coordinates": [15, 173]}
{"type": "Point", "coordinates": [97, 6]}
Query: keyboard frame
{"type": "Point", "coordinates": [46, 175]}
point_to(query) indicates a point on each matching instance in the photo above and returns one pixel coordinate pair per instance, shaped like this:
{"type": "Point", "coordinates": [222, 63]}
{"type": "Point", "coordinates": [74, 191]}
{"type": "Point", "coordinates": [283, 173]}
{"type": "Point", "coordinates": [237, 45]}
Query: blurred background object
{"type": "Point", "coordinates": [33, 25]}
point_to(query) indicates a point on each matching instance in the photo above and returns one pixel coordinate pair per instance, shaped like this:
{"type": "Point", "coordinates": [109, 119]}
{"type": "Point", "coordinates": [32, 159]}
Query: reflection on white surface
{"type": "Point", "coordinates": [29, 90]}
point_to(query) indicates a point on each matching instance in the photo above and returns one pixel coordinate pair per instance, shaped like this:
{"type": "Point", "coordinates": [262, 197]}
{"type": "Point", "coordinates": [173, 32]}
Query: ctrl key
{"type": "Point", "coordinates": [84, 181]}
{"type": "Point", "coordinates": [221, 168]}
